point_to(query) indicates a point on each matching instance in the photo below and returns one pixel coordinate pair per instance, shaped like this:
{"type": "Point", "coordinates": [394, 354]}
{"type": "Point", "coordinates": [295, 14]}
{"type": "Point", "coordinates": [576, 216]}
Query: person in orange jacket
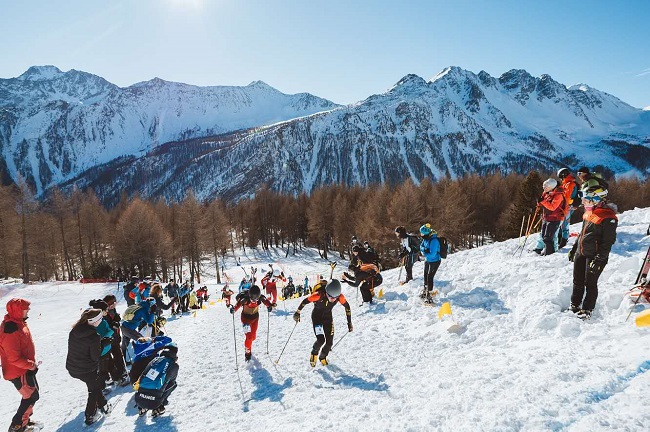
{"type": "Point", "coordinates": [552, 205]}
{"type": "Point", "coordinates": [570, 190]}
{"type": "Point", "coordinates": [250, 301]}
{"type": "Point", "coordinates": [17, 353]}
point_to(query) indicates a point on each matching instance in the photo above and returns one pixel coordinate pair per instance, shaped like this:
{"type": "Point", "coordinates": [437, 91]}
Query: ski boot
{"type": "Point", "coordinates": [158, 411]}
{"type": "Point", "coordinates": [94, 418]}
{"type": "Point", "coordinates": [573, 308]}
{"type": "Point", "coordinates": [142, 411]}
{"type": "Point", "coordinates": [584, 314]}
{"type": "Point", "coordinates": [324, 362]}
{"type": "Point", "coordinates": [248, 355]}
{"type": "Point", "coordinates": [106, 409]}
{"type": "Point", "coordinates": [312, 360]}
{"type": "Point", "coordinates": [124, 381]}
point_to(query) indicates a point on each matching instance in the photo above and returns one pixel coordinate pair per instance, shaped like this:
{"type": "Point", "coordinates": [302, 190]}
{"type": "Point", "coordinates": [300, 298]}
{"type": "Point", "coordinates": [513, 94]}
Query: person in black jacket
{"type": "Point", "coordinates": [410, 251]}
{"type": "Point", "coordinates": [114, 319]}
{"type": "Point", "coordinates": [84, 351]}
{"type": "Point", "coordinates": [591, 250]}
{"type": "Point", "coordinates": [128, 288]}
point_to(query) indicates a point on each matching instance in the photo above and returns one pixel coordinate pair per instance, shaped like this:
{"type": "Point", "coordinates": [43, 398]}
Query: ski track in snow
{"type": "Point", "coordinates": [517, 362]}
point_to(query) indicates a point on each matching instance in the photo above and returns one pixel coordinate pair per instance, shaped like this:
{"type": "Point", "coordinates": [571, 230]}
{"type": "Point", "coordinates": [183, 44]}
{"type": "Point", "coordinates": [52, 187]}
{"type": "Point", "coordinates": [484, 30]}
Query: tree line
{"type": "Point", "coordinates": [65, 237]}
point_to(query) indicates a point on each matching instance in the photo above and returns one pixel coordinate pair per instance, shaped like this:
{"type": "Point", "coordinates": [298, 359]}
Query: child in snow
{"type": "Point", "coordinates": [250, 301]}
{"type": "Point", "coordinates": [324, 300]}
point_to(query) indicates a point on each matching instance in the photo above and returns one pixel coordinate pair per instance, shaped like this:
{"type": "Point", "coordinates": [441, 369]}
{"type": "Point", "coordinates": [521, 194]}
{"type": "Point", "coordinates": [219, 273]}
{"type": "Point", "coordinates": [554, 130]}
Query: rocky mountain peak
{"type": "Point", "coordinates": [40, 73]}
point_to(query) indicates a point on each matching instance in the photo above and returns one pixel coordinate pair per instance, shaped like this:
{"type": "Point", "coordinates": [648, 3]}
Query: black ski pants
{"type": "Point", "coordinates": [324, 331]}
{"type": "Point", "coordinates": [430, 269]}
{"type": "Point", "coordinates": [549, 230]}
{"type": "Point", "coordinates": [28, 388]}
{"type": "Point", "coordinates": [95, 383]}
{"type": "Point", "coordinates": [409, 259]}
{"type": "Point", "coordinates": [583, 280]}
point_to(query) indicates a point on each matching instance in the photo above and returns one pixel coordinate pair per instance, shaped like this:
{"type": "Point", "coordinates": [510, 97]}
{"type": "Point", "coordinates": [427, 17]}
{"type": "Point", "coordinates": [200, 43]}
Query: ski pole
{"type": "Point", "coordinates": [635, 303]}
{"type": "Point", "coordinates": [285, 345]}
{"type": "Point", "coordinates": [234, 336]}
{"type": "Point", "coordinates": [334, 346]}
{"type": "Point", "coordinates": [268, 328]}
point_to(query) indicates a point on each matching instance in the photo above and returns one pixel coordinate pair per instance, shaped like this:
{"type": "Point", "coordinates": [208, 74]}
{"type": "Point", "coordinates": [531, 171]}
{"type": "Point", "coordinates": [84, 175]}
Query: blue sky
{"type": "Point", "coordinates": [344, 51]}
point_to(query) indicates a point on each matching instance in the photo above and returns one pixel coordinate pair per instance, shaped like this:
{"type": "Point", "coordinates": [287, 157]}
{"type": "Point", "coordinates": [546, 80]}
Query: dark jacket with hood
{"type": "Point", "coordinates": [598, 233]}
{"type": "Point", "coordinates": [84, 350]}
{"type": "Point", "coordinates": [17, 351]}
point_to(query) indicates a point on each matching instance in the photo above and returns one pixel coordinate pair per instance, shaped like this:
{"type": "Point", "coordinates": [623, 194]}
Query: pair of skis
{"type": "Point", "coordinates": [642, 284]}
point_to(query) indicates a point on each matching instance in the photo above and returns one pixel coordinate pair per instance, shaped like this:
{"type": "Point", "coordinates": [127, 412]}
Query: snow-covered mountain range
{"type": "Point", "coordinates": [55, 125]}
{"type": "Point", "coordinates": [458, 122]}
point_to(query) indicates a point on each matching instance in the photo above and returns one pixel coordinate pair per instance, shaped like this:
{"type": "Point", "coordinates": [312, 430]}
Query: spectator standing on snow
{"type": "Point", "coordinates": [18, 357]}
{"type": "Point", "coordinates": [552, 205]}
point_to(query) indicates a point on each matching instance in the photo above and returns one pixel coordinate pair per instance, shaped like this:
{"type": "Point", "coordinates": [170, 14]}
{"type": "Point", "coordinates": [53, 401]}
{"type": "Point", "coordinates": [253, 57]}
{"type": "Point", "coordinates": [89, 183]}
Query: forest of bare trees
{"type": "Point", "coordinates": [67, 237]}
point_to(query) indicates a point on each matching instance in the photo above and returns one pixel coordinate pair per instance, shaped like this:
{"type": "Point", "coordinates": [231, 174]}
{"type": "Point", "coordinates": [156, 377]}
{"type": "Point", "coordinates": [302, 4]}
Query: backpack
{"type": "Point", "coordinates": [444, 247]}
{"type": "Point", "coordinates": [157, 381]}
{"type": "Point", "coordinates": [129, 313]}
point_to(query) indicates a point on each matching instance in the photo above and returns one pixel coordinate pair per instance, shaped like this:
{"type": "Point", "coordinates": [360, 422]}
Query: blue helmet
{"type": "Point", "coordinates": [426, 229]}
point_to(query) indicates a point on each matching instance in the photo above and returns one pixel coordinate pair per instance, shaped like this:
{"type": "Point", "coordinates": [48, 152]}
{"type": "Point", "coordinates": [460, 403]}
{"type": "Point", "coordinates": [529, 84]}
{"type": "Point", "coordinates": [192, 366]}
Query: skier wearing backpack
{"type": "Point", "coordinates": [109, 367]}
{"type": "Point", "coordinates": [324, 300]}
{"type": "Point", "coordinates": [226, 293]}
{"type": "Point", "coordinates": [250, 302]}
{"type": "Point", "coordinates": [157, 382]}
{"type": "Point", "coordinates": [430, 248]}
{"type": "Point", "coordinates": [591, 250]}
{"type": "Point", "coordinates": [366, 276]}
{"type": "Point", "coordinates": [570, 190]}
{"type": "Point", "coordinates": [552, 204]}
{"type": "Point", "coordinates": [82, 362]}
{"type": "Point", "coordinates": [410, 251]}
{"type": "Point", "coordinates": [18, 358]}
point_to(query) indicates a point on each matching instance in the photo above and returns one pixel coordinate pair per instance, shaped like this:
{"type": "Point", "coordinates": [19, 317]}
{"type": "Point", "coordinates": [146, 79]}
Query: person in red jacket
{"type": "Point", "coordinates": [553, 206]}
{"type": "Point", "coordinates": [19, 366]}
{"type": "Point", "coordinates": [250, 301]}
{"type": "Point", "coordinates": [269, 282]}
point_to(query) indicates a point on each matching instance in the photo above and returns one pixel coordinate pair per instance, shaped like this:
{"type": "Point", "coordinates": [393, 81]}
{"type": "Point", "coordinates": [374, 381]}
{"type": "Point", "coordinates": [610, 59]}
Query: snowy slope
{"type": "Point", "coordinates": [518, 363]}
{"type": "Point", "coordinates": [54, 124]}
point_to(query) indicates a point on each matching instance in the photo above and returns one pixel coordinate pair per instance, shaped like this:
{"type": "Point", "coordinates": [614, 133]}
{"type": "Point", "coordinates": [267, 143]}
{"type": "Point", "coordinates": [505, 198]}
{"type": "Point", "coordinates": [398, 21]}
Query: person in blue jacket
{"type": "Point", "coordinates": [145, 315]}
{"type": "Point", "coordinates": [430, 248]}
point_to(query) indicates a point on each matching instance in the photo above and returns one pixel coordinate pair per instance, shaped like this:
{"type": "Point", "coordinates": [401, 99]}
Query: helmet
{"type": "Point", "coordinates": [356, 248]}
{"type": "Point", "coordinates": [563, 172]}
{"type": "Point", "coordinates": [276, 272]}
{"type": "Point", "coordinates": [354, 238]}
{"type": "Point", "coordinates": [583, 170]}
{"type": "Point", "coordinates": [425, 229]}
{"type": "Point", "coordinates": [594, 193]}
{"type": "Point", "coordinates": [254, 292]}
{"type": "Point", "coordinates": [400, 230]}
{"type": "Point", "coordinates": [333, 288]}
{"type": "Point", "coordinates": [549, 184]}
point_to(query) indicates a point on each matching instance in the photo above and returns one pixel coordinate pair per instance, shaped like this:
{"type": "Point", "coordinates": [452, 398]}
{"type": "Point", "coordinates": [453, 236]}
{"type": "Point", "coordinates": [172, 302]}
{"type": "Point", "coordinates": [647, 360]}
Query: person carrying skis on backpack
{"type": "Point", "coordinates": [552, 205]}
{"type": "Point", "coordinates": [244, 285]}
{"type": "Point", "coordinates": [324, 301]}
{"type": "Point", "coordinates": [269, 282]}
{"type": "Point", "coordinates": [366, 276]}
{"type": "Point", "coordinates": [250, 302]}
{"type": "Point", "coordinates": [82, 362]}
{"type": "Point", "coordinates": [226, 293]}
{"type": "Point", "coordinates": [410, 251]}
{"type": "Point", "coordinates": [430, 249]}
{"type": "Point", "coordinates": [570, 190]}
{"type": "Point", "coordinates": [18, 358]}
{"type": "Point", "coordinates": [591, 250]}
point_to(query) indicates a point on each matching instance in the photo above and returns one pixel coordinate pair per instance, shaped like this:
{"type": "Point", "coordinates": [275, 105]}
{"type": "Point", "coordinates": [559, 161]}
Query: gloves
{"type": "Point", "coordinates": [349, 327]}
{"type": "Point", "coordinates": [296, 317]}
{"type": "Point", "coordinates": [270, 308]}
{"type": "Point", "coordinates": [597, 265]}
{"type": "Point", "coordinates": [232, 309]}
{"type": "Point", "coordinates": [572, 254]}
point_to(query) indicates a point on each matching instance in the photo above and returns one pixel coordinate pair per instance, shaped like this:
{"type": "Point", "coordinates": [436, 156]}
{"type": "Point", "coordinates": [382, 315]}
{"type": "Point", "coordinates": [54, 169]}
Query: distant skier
{"type": "Point", "coordinates": [226, 293]}
{"type": "Point", "coordinates": [244, 285]}
{"type": "Point", "coordinates": [202, 295]}
{"type": "Point", "coordinates": [250, 301]}
{"type": "Point", "coordinates": [430, 248]}
{"type": "Point", "coordinates": [591, 250]}
{"type": "Point", "coordinates": [269, 282]}
{"type": "Point", "coordinates": [324, 300]}
{"type": "Point", "coordinates": [171, 290]}
{"type": "Point", "coordinates": [17, 354]}
{"type": "Point", "coordinates": [366, 276]}
{"type": "Point", "coordinates": [130, 287]}
{"type": "Point", "coordinates": [305, 287]}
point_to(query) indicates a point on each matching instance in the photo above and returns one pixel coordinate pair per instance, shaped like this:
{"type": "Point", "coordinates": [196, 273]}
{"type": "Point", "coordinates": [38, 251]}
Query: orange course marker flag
{"type": "Point", "coordinates": [445, 309]}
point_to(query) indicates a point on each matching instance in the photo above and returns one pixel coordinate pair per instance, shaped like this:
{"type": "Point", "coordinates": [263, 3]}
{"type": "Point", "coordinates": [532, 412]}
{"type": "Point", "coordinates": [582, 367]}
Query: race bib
{"type": "Point", "coordinates": [152, 374]}
{"type": "Point", "coordinates": [319, 330]}
{"type": "Point", "coordinates": [247, 328]}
